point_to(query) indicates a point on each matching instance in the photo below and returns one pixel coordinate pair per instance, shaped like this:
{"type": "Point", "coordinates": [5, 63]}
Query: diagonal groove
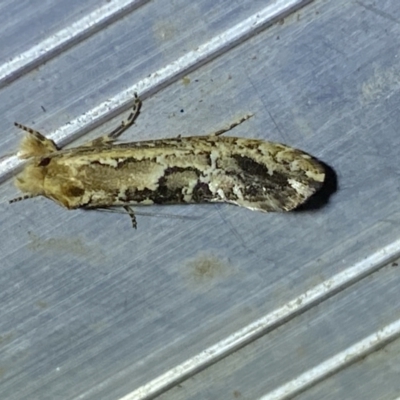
{"type": "Point", "coordinates": [298, 305]}
{"type": "Point", "coordinates": [66, 38]}
{"type": "Point", "coordinates": [339, 361]}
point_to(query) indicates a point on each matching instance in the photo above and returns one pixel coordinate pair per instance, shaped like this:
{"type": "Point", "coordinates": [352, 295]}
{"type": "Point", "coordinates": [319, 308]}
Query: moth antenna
{"type": "Point", "coordinates": [34, 144]}
{"type": "Point", "coordinates": [27, 129]}
{"type": "Point", "coordinates": [20, 198]}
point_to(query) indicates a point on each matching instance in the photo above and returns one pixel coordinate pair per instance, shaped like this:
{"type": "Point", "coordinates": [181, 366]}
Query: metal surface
{"type": "Point", "coordinates": [232, 304]}
{"type": "Point", "coordinates": [310, 356]}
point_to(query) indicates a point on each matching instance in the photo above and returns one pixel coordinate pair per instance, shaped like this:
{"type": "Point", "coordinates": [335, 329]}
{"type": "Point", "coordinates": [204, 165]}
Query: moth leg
{"type": "Point", "coordinates": [98, 142]}
{"type": "Point", "coordinates": [132, 215]}
{"type": "Point", "coordinates": [123, 126]}
{"type": "Point", "coordinates": [231, 126]}
{"type": "Point", "coordinates": [129, 121]}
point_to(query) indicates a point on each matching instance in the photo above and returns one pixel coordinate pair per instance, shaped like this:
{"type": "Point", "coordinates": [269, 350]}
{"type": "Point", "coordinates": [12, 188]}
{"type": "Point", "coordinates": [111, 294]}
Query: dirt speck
{"type": "Point", "coordinates": [206, 269]}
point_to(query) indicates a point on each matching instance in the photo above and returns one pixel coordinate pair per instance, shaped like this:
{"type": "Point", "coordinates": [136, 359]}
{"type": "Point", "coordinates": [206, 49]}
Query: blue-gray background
{"type": "Point", "coordinates": [90, 308]}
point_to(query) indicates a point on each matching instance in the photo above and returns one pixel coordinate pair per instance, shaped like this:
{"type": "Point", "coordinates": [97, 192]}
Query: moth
{"type": "Point", "coordinates": [255, 174]}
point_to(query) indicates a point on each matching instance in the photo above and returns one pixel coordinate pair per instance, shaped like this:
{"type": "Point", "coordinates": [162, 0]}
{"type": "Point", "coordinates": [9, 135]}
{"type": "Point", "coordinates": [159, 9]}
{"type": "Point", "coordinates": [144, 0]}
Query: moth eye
{"type": "Point", "coordinates": [44, 162]}
{"type": "Point", "coordinates": [75, 191]}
